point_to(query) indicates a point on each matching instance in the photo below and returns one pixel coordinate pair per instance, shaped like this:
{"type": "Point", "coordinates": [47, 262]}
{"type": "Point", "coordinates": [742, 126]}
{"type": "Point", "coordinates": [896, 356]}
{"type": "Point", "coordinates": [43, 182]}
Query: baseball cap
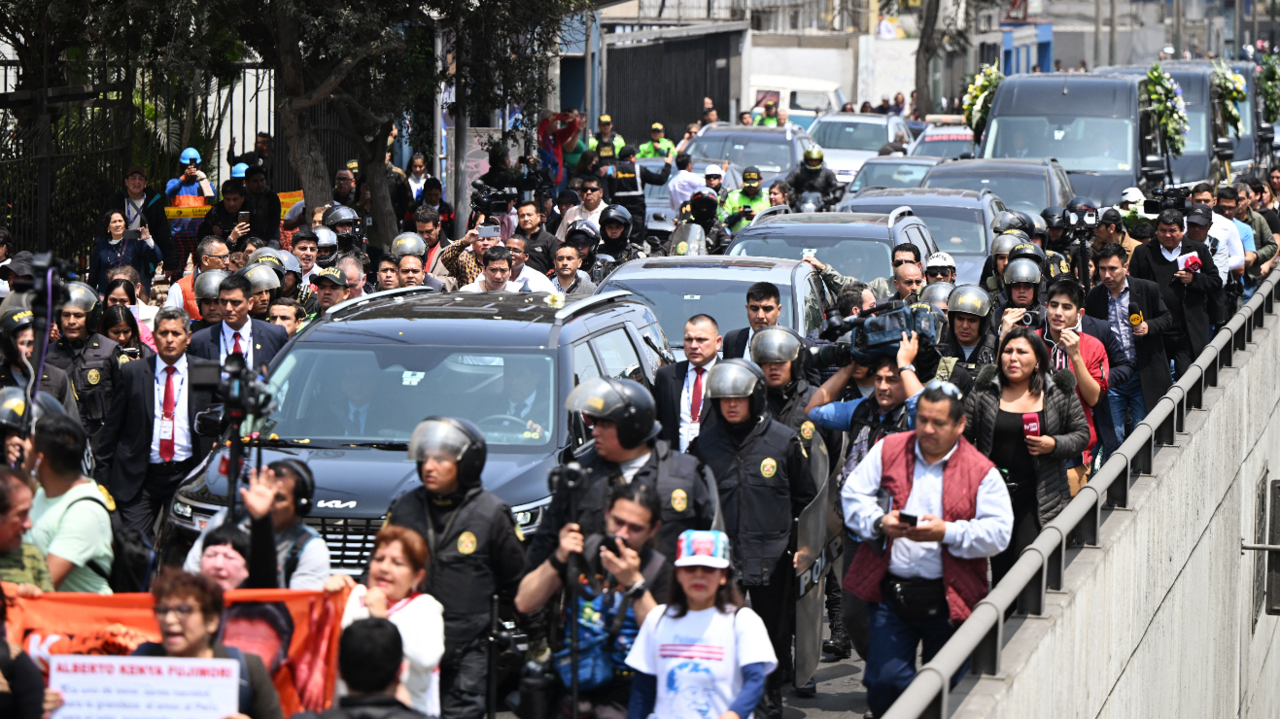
{"type": "Point", "coordinates": [568, 197]}
{"type": "Point", "coordinates": [136, 170]}
{"type": "Point", "coordinates": [939, 259]}
{"type": "Point", "coordinates": [713, 171]}
{"type": "Point", "coordinates": [334, 275]}
{"type": "Point", "coordinates": [1111, 216]}
{"type": "Point", "coordinates": [656, 126]}
{"type": "Point", "coordinates": [702, 548]}
{"type": "Point", "coordinates": [606, 120]}
{"type": "Point", "coordinates": [20, 266]}
{"type": "Point", "coordinates": [770, 103]}
{"type": "Point", "coordinates": [1132, 194]}
{"type": "Point", "coordinates": [751, 176]}
{"type": "Point", "coordinates": [1199, 215]}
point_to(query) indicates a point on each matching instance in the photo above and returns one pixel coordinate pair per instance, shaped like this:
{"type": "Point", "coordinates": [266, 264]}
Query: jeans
{"type": "Point", "coordinates": [1127, 399]}
{"type": "Point", "coordinates": [891, 659]}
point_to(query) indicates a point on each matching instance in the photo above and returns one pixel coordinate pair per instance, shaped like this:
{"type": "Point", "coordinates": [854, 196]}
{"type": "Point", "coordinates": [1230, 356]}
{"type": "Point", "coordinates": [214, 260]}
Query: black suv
{"type": "Point", "coordinates": [1026, 185]}
{"type": "Point", "coordinates": [774, 151]}
{"type": "Point", "coordinates": [409, 354]}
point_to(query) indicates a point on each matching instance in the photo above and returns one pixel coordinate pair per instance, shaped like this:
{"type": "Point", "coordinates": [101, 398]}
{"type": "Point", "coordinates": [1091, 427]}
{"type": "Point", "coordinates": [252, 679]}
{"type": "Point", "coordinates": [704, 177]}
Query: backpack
{"type": "Point", "coordinates": [130, 570]}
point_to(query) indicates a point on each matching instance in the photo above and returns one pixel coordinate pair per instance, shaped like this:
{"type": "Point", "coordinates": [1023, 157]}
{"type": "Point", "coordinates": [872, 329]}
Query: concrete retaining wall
{"type": "Point", "coordinates": [1159, 621]}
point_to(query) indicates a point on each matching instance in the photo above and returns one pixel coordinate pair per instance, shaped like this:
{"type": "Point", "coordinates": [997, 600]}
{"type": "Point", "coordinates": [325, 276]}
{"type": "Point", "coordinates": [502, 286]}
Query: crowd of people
{"type": "Point", "coordinates": [950, 450]}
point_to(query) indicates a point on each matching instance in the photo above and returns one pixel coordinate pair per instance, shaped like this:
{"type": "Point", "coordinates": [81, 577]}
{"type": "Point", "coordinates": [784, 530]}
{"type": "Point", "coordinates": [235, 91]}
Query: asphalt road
{"type": "Point", "coordinates": [840, 693]}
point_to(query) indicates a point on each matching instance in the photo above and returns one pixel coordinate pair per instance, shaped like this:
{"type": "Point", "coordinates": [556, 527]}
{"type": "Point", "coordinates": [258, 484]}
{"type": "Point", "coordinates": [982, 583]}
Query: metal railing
{"type": "Point", "coordinates": [1042, 565]}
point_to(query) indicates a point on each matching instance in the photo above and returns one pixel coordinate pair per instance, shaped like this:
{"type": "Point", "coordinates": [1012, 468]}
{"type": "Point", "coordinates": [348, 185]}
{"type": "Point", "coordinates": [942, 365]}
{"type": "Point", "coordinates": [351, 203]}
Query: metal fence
{"type": "Point", "coordinates": [1041, 566]}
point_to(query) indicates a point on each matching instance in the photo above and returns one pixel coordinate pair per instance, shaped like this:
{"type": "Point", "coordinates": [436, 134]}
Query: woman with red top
{"type": "Point", "coordinates": [554, 132]}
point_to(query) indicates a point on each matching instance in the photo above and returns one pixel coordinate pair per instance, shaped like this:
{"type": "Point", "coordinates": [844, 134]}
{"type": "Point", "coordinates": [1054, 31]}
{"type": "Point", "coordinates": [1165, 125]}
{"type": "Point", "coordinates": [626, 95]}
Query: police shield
{"type": "Point", "coordinates": [817, 545]}
{"type": "Point", "coordinates": [688, 239]}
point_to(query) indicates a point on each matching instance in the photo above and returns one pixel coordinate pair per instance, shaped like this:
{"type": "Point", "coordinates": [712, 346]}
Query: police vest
{"type": "Point", "coordinates": [53, 383]}
{"type": "Point", "coordinates": [460, 575]}
{"type": "Point", "coordinates": [676, 478]}
{"type": "Point", "coordinates": [608, 151]}
{"type": "Point", "coordinates": [755, 493]}
{"type": "Point", "coordinates": [626, 185]}
{"type": "Point", "coordinates": [92, 371]}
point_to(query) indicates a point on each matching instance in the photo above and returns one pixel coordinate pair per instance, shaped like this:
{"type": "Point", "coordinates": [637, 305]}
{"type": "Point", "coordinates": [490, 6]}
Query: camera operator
{"type": "Point", "coordinates": [1111, 229]}
{"type": "Point", "coordinates": [969, 340]}
{"type": "Point", "coordinates": [627, 451]}
{"type": "Point", "coordinates": [474, 552]}
{"type": "Point", "coordinates": [91, 361]}
{"type": "Point", "coordinates": [760, 466]}
{"type": "Point", "coordinates": [635, 575]}
{"type": "Point", "coordinates": [1019, 302]}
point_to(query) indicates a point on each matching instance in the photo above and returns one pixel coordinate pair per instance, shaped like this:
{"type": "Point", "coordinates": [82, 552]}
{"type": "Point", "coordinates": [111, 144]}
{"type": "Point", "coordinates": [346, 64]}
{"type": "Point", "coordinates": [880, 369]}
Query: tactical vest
{"type": "Point", "coordinates": [92, 371]}
{"type": "Point", "coordinates": [626, 185]}
{"type": "Point", "coordinates": [53, 383]}
{"type": "Point", "coordinates": [607, 151]}
{"type": "Point", "coordinates": [755, 494]}
{"type": "Point", "coordinates": [965, 579]}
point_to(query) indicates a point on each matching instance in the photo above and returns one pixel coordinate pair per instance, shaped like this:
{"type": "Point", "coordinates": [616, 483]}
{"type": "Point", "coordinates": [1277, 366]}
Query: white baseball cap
{"type": "Point", "coordinates": [713, 171]}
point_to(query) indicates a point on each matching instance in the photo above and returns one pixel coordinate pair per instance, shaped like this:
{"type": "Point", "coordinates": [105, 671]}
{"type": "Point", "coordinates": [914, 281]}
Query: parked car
{"type": "Point", "coordinates": [890, 171]}
{"type": "Point", "coordinates": [959, 220]}
{"type": "Point", "coordinates": [849, 139]}
{"type": "Point", "coordinates": [678, 288]}
{"type": "Point", "coordinates": [451, 354]}
{"type": "Point", "coordinates": [805, 98]}
{"type": "Point", "coordinates": [773, 150]}
{"type": "Point", "coordinates": [1026, 185]}
{"type": "Point", "coordinates": [1096, 126]}
{"type": "Point", "coordinates": [946, 136]}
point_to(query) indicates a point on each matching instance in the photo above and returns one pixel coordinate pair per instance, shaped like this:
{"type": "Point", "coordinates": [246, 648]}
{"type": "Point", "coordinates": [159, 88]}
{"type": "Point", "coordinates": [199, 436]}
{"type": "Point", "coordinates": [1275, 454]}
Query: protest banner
{"type": "Point", "coordinates": [97, 687]}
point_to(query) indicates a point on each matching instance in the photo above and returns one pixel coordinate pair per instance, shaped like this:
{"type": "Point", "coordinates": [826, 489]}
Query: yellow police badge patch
{"type": "Point", "coordinates": [467, 543]}
{"type": "Point", "coordinates": [806, 430]}
{"type": "Point", "coordinates": [768, 467]}
{"type": "Point", "coordinates": [94, 376]}
{"type": "Point", "coordinates": [679, 500]}
{"type": "Point", "coordinates": [682, 248]}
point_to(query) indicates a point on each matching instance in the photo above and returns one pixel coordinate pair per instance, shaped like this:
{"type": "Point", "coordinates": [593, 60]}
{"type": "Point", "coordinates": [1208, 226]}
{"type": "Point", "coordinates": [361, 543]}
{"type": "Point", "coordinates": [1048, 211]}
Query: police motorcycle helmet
{"type": "Point", "coordinates": [342, 215]}
{"type": "Point", "coordinates": [1040, 231]}
{"type": "Point", "coordinates": [737, 378]}
{"type": "Point", "coordinates": [457, 439]}
{"type": "Point", "coordinates": [207, 283]}
{"type": "Point", "coordinates": [616, 215]}
{"type": "Point", "coordinates": [813, 153]}
{"type": "Point", "coordinates": [1007, 220]}
{"type": "Point", "coordinates": [1023, 270]}
{"type": "Point", "coordinates": [583, 234]}
{"type": "Point", "coordinates": [85, 298]}
{"type": "Point", "coordinates": [778, 344]}
{"type": "Point", "coordinates": [1031, 251]}
{"type": "Point", "coordinates": [408, 243]}
{"type": "Point", "coordinates": [326, 247]}
{"type": "Point", "coordinates": [1054, 217]}
{"type": "Point", "coordinates": [13, 406]}
{"type": "Point", "coordinates": [1004, 244]}
{"type": "Point", "coordinates": [11, 322]}
{"type": "Point", "coordinates": [969, 300]}
{"type": "Point", "coordinates": [704, 203]}
{"type": "Point", "coordinates": [1082, 213]}
{"type": "Point", "coordinates": [937, 294]}
{"type": "Point", "coordinates": [625, 403]}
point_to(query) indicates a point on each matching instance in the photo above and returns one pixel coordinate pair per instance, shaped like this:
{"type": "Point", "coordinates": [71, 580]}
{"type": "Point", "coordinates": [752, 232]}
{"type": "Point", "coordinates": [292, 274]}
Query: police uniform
{"type": "Point", "coordinates": [661, 148]}
{"type": "Point", "coordinates": [626, 187]}
{"type": "Point", "coordinates": [54, 381]}
{"type": "Point", "coordinates": [681, 482]}
{"type": "Point", "coordinates": [717, 239]}
{"type": "Point", "coordinates": [735, 202]}
{"type": "Point", "coordinates": [608, 151]}
{"type": "Point", "coordinates": [94, 371]}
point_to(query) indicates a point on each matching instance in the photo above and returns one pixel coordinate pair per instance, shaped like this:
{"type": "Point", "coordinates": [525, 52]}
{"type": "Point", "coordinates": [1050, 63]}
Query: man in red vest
{"type": "Point", "coordinates": [930, 509]}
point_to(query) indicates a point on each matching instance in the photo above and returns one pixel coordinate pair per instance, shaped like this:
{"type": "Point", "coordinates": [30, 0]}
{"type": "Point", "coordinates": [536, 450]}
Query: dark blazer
{"type": "Point", "coordinates": [124, 446]}
{"type": "Point", "coordinates": [1187, 303]}
{"type": "Point", "coordinates": [1153, 364]}
{"type": "Point", "coordinates": [668, 384]}
{"type": "Point", "coordinates": [268, 340]}
{"type": "Point", "coordinates": [735, 343]}
{"type": "Point", "coordinates": [153, 204]}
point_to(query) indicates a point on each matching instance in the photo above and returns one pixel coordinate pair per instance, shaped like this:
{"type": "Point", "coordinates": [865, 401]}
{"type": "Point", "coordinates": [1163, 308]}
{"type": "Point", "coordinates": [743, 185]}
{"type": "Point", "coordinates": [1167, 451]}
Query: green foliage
{"type": "Point", "coordinates": [1269, 87]}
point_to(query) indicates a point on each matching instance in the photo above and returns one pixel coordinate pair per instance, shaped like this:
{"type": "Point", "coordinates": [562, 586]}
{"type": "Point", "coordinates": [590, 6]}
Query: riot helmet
{"type": "Point", "coordinates": [625, 403]}
{"type": "Point", "coordinates": [459, 440]}
{"type": "Point", "coordinates": [1008, 220]}
{"type": "Point", "coordinates": [408, 243]}
{"type": "Point", "coordinates": [737, 378]}
{"type": "Point", "coordinates": [84, 298]}
{"type": "Point", "coordinates": [326, 247]}
{"type": "Point", "coordinates": [341, 215]}
{"type": "Point", "coordinates": [937, 294]}
{"type": "Point", "coordinates": [11, 322]}
{"type": "Point", "coordinates": [1005, 243]}
{"type": "Point", "coordinates": [616, 215]}
{"type": "Point", "coordinates": [703, 204]}
{"type": "Point", "coordinates": [1040, 231]}
{"type": "Point", "coordinates": [1054, 217]}
{"type": "Point", "coordinates": [13, 405]}
{"type": "Point", "coordinates": [778, 344]}
{"type": "Point", "coordinates": [970, 300]}
{"type": "Point", "coordinates": [206, 284]}
{"type": "Point", "coordinates": [262, 278]}
{"type": "Point", "coordinates": [261, 252]}
{"type": "Point", "coordinates": [583, 234]}
{"type": "Point", "coordinates": [1022, 271]}
{"type": "Point", "coordinates": [1031, 252]}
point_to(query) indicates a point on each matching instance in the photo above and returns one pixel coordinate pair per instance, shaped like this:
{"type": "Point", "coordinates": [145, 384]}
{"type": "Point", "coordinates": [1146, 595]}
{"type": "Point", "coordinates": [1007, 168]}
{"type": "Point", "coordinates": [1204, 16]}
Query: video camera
{"type": "Point", "coordinates": [862, 338]}
{"type": "Point", "coordinates": [491, 201]}
{"type": "Point", "coordinates": [1168, 198]}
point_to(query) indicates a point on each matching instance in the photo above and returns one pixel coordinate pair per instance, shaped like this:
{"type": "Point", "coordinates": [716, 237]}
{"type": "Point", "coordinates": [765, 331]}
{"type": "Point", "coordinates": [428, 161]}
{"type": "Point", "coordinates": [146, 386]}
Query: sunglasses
{"type": "Point", "coordinates": [947, 388]}
{"type": "Point", "coordinates": [591, 189]}
{"type": "Point", "coordinates": [899, 263]}
{"type": "Point", "coordinates": [939, 272]}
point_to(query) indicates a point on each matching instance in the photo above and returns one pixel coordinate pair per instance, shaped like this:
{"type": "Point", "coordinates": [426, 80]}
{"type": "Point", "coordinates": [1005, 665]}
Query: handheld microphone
{"type": "Point", "coordinates": [1031, 424]}
{"type": "Point", "coordinates": [1135, 314]}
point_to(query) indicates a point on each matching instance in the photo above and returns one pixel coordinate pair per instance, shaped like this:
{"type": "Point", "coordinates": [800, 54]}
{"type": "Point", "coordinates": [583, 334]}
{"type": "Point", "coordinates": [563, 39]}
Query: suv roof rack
{"type": "Point", "coordinates": [587, 303]}
{"type": "Point", "coordinates": [363, 299]}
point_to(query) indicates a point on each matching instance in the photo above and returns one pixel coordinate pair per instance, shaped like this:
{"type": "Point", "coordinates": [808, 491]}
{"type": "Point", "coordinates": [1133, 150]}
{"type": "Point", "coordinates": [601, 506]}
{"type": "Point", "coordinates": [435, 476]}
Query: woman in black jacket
{"type": "Point", "coordinates": [1029, 422]}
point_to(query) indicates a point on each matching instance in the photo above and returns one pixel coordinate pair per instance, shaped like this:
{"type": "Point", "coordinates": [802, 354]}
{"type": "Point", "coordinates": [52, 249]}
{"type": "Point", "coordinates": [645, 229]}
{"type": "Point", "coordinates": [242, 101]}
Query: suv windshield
{"type": "Point", "coordinates": [955, 229]}
{"type": "Point", "coordinates": [839, 135]}
{"type": "Point", "coordinates": [768, 154]}
{"type": "Point", "coordinates": [944, 144]}
{"type": "Point", "coordinates": [335, 394]}
{"type": "Point", "coordinates": [677, 299]}
{"type": "Point", "coordinates": [860, 258]}
{"type": "Point", "coordinates": [1098, 144]}
{"type": "Point", "coordinates": [1019, 190]}
{"type": "Point", "coordinates": [889, 175]}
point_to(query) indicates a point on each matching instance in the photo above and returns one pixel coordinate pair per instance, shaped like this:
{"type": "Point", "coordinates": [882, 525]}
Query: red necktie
{"type": "Point", "coordinates": [236, 349]}
{"type": "Point", "coordinates": [695, 401]}
{"type": "Point", "coordinates": [166, 445]}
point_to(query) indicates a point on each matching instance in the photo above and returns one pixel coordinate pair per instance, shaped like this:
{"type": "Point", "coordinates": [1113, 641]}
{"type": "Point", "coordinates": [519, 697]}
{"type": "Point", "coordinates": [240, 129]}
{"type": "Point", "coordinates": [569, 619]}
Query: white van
{"type": "Point", "coordinates": [804, 98]}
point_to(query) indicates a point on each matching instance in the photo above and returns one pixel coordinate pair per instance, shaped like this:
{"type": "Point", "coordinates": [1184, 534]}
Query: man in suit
{"type": "Point", "coordinates": [1187, 292]}
{"type": "Point", "coordinates": [764, 306]}
{"type": "Point", "coordinates": [257, 340]}
{"type": "Point", "coordinates": [1120, 300]}
{"type": "Point", "coordinates": [679, 389]}
{"type": "Point", "coordinates": [149, 442]}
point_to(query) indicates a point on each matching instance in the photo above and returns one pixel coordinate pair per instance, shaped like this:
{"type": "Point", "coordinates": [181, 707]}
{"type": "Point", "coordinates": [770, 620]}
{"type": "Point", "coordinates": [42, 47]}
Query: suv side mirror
{"type": "Point", "coordinates": [1223, 150]}
{"type": "Point", "coordinates": [209, 421]}
{"type": "Point", "coordinates": [1153, 169]}
{"type": "Point", "coordinates": [965, 156]}
{"type": "Point", "coordinates": [1266, 132]}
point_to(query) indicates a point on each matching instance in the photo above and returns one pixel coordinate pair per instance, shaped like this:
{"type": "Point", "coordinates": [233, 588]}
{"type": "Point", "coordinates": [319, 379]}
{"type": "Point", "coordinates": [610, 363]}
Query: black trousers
{"type": "Point", "coordinates": [464, 682]}
{"type": "Point", "coordinates": [155, 496]}
{"type": "Point", "coordinates": [1178, 350]}
{"type": "Point", "coordinates": [775, 603]}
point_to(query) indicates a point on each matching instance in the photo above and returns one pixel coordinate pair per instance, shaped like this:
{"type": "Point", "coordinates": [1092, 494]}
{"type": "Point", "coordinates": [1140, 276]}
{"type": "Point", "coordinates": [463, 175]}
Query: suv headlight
{"type": "Point", "coordinates": [182, 509]}
{"type": "Point", "coordinates": [528, 516]}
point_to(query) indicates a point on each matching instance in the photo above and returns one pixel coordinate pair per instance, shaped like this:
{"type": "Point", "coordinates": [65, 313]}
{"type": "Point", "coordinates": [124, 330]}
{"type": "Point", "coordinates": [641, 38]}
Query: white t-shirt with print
{"type": "Point", "coordinates": [697, 658]}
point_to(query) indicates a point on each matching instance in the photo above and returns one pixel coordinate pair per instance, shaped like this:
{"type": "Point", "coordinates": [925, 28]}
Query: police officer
{"type": "Point", "coordinates": [616, 232]}
{"type": "Point", "coordinates": [345, 223]}
{"type": "Point", "coordinates": [1055, 225]}
{"type": "Point", "coordinates": [474, 550]}
{"type": "Point", "coordinates": [606, 143]}
{"type": "Point", "coordinates": [17, 345]}
{"type": "Point", "coordinates": [205, 289]}
{"type": "Point", "coordinates": [658, 144]}
{"type": "Point", "coordinates": [584, 235]}
{"type": "Point", "coordinates": [291, 284]}
{"type": "Point", "coordinates": [264, 287]}
{"type": "Point", "coordinates": [813, 175]}
{"type": "Point", "coordinates": [704, 205]}
{"type": "Point", "coordinates": [326, 247]}
{"type": "Point", "coordinates": [970, 342]}
{"type": "Point", "coordinates": [626, 187]}
{"type": "Point", "coordinates": [627, 450]}
{"type": "Point", "coordinates": [411, 243]}
{"type": "Point", "coordinates": [1021, 294]}
{"type": "Point", "coordinates": [91, 361]}
{"type": "Point", "coordinates": [761, 468]}
{"type": "Point", "coordinates": [742, 204]}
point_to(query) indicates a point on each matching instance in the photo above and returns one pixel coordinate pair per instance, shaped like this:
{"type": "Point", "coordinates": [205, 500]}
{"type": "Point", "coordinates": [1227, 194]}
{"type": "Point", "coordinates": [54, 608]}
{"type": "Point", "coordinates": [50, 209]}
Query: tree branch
{"type": "Point", "coordinates": [360, 110]}
{"type": "Point", "coordinates": [340, 72]}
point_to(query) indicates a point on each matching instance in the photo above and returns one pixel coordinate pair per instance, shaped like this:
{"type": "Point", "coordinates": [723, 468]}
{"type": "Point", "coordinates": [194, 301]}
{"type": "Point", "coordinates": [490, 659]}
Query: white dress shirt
{"type": "Point", "coordinates": [579, 212]}
{"type": "Point", "coordinates": [479, 286]}
{"type": "Point", "coordinates": [987, 534]}
{"type": "Point", "coordinates": [229, 342]}
{"type": "Point", "coordinates": [682, 186]}
{"type": "Point", "coordinates": [1229, 253]}
{"type": "Point", "coordinates": [688, 428]}
{"type": "Point", "coordinates": [181, 422]}
{"type": "Point", "coordinates": [537, 281]}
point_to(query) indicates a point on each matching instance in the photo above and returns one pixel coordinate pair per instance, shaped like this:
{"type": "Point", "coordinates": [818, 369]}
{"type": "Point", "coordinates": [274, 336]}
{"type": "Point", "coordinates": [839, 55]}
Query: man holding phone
{"type": "Point", "coordinates": [228, 219]}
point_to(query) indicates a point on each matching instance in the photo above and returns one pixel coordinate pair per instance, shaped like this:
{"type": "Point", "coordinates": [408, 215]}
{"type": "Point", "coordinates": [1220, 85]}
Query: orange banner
{"type": "Point", "coordinates": [288, 200]}
{"type": "Point", "coordinates": [295, 633]}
